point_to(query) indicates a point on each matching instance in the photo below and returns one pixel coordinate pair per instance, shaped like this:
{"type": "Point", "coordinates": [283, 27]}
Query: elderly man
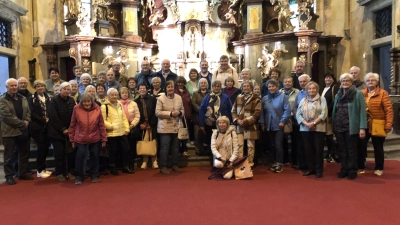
{"type": "Point", "coordinates": [355, 71]}
{"type": "Point", "coordinates": [302, 163]}
{"type": "Point", "coordinates": [23, 87]}
{"type": "Point", "coordinates": [77, 70]}
{"type": "Point", "coordinates": [299, 69]}
{"type": "Point", "coordinates": [145, 76]}
{"type": "Point", "coordinates": [15, 117]}
{"type": "Point", "coordinates": [165, 73]}
{"type": "Point", "coordinates": [122, 79]}
{"type": "Point", "coordinates": [204, 73]}
{"type": "Point", "coordinates": [224, 70]}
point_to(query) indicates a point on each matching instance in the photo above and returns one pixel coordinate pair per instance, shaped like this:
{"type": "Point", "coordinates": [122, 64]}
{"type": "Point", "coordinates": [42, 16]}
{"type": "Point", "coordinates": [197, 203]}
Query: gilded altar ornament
{"type": "Point", "coordinates": [74, 7]}
{"type": "Point", "coordinates": [129, 20]}
{"type": "Point", "coordinates": [156, 18]}
{"type": "Point", "coordinates": [209, 11]}
{"type": "Point", "coordinates": [302, 45]}
{"type": "Point", "coordinates": [304, 16]}
{"type": "Point", "coordinates": [284, 15]}
{"type": "Point", "coordinates": [86, 64]}
{"type": "Point", "coordinates": [230, 16]}
{"type": "Point", "coordinates": [269, 61]}
{"type": "Point", "coordinates": [232, 3]}
{"type": "Point", "coordinates": [254, 19]}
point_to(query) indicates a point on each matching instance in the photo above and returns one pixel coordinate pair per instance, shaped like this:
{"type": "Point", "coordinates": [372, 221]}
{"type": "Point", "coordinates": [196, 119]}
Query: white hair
{"type": "Point", "coordinates": [111, 90]}
{"type": "Point", "coordinates": [21, 78]}
{"type": "Point", "coordinates": [304, 76]}
{"type": "Point", "coordinates": [71, 82]}
{"type": "Point", "coordinates": [374, 75]}
{"type": "Point", "coordinates": [346, 75]}
{"type": "Point", "coordinates": [64, 84]}
{"type": "Point", "coordinates": [245, 70]}
{"type": "Point", "coordinates": [201, 79]}
{"type": "Point", "coordinates": [9, 80]}
{"type": "Point", "coordinates": [155, 78]}
{"type": "Point", "coordinates": [85, 75]}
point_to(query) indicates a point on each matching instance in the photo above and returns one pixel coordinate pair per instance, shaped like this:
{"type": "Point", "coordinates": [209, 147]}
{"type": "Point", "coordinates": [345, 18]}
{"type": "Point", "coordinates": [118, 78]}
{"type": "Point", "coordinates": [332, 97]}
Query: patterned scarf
{"type": "Point", "coordinates": [309, 115]}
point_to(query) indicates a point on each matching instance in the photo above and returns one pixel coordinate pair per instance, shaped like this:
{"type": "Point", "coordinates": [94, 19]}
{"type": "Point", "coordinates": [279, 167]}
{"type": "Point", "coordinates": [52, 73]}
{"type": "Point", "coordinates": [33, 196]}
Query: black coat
{"type": "Point", "coordinates": [38, 122]}
{"type": "Point", "coordinates": [329, 98]}
{"type": "Point", "coordinates": [151, 102]}
{"type": "Point", "coordinates": [60, 113]}
{"type": "Point", "coordinates": [234, 94]}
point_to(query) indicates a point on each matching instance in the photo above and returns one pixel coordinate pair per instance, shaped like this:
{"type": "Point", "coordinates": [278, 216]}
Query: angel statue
{"type": "Point", "coordinates": [284, 15]}
{"type": "Point", "coordinates": [156, 18]}
{"type": "Point", "coordinates": [232, 3]}
{"type": "Point", "coordinates": [266, 62]}
{"type": "Point", "coordinates": [74, 7]}
{"type": "Point", "coordinates": [230, 16]}
{"type": "Point", "coordinates": [209, 11]}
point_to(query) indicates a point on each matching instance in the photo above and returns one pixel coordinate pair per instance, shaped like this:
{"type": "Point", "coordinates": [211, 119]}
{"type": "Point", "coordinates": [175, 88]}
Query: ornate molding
{"type": "Point", "coordinates": [395, 71]}
{"type": "Point", "coordinates": [11, 11]}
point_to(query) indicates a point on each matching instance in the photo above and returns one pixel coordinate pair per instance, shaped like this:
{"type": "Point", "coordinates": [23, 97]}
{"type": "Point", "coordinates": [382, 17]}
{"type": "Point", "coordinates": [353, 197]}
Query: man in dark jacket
{"type": "Point", "coordinates": [145, 76]}
{"type": "Point", "coordinates": [15, 117]}
{"type": "Point", "coordinates": [299, 69]}
{"type": "Point", "coordinates": [204, 73]}
{"type": "Point", "coordinates": [165, 73]}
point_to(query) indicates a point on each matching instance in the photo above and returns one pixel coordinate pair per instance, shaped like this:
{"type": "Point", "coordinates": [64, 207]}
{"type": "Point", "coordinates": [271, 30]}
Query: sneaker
{"type": "Point", "coordinates": [278, 169]}
{"type": "Point", "coordinates": [186, 154]}
{"type": "Point", "coordinates": [42, 174]}
{"type": "Point", "coordinates": [273, 167]}
{"type": "Point", "coordinates": [95, 180]}
{"type": "Point", "coordinates": [48, 172]}
{"type": "Point", "coordinates": [60, 177]}
{"type": "Point", "coordinates": [176, 168]}
{"type": "Point", "coordinates": [360, 171]}
{"type": "Point", "coordinates": [378, 172]}
{"type": "Point", "coordinates": [144, 165]}
{"type": "Point", "coordinates": [155, 165]}
{"type": "Point", "coordinates": [70, 176]}
{"type": "Point", "coordinates": [164, 170]}
{"type": "Point", "coordinates": [78, 181]}
{"type": "Point", "coordinates": [329, 159]}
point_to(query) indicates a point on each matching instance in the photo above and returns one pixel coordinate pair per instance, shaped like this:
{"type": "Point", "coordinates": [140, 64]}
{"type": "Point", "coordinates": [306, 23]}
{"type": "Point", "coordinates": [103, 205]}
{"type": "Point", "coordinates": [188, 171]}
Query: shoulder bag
{"type": "Point", "coordinates": [147, 146]}
{"type": "Point", "coordinates": [183, 133]}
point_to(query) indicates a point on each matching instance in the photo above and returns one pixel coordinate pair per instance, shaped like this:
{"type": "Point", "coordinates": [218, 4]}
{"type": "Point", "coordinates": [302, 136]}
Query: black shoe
{"type": "Point", "coordinates": [114, 172]}
{"type": "Point", "coordinates": [25, 177]}
{"type": "Point", "coordinates": [308, 173]}
{"type": "Point", "coordinates": [352, 175]}
{"type": "Point", "coordinates": [127, 170]}
{"type": "Point", "coordinates": [329, 159]}
{"type": "Point", "coordinates": [278, 169]}
{"type": "Point", "coordinates": [10, 181]}
{"type": "Point", "coordinates": [318, 175]}
{"type": "Point", "coordinates": [297, 167]}
{"type": "Point", "coordinates": [342, 174]}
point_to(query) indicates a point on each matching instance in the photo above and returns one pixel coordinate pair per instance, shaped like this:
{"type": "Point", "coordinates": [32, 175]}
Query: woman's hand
{"type": "Point", "coordinates": [175, 113]}
{"type": "Point", "coordinates": [239, 122]}
{"type": "Point", "coordinates": [65, 132]}
{"type": "Point", "coordinates": [281, 125]}
{"type": "Point", "coordinates": [103, 144]}
{"type": "Point", "coordinates": [142, 126]}
{"type": "Point", "coordinates": [73, 144]}
{"type": "Point", "coordinates": [362, 133]}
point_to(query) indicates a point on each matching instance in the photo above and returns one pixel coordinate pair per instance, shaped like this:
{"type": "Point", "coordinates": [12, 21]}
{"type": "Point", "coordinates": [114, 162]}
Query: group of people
{"type": "Point", "coordinates": [92, 126]}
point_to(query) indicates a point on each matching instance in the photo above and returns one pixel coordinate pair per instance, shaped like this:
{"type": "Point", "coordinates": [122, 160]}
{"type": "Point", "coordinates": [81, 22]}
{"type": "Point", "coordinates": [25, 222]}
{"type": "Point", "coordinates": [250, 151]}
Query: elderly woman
{"type": "Point", "coordinates": [379, 107]}
{"type": "Point", "coordinates": [311, 116]}
{"type": "Point", "coordinates": [275, 112]}
{"type": "Point", "coordinates": [101, 93]}
{"type": "Point", "coordinates": [169, 111]}
{"type": "Point", "coordinates": [246, 76]}
{"type": "Point", "coordinates": [230, 89]}
{"type": "Point", "coordinates": [274, 74]}
{"type": "Point", "coordinates": [38, 104]}
{"type": "Point", "coordinates": [197, 98]}
{"type": "Point", "coordinates": [74, 91]}
{"type": "Point", "coordinates": [101, 77]}
{"type": "Point", "coordinates": [193, 84]}
{"type": "Point", "coordinates": [245, 114]}
{"type": "Point", "coordinates": [180, 89]}
{"type": "Point", "coordinates": [213, 106]}
{"type": "Point", "coordinates": [87, 132]}
{"type": "Point", "coordinates": [132, 113]}
{"type": "Point", "coordinates": [132, 82]}
{"type": "Point", "coordinates": [224, 145]}
{"type": "Point", "coordinates": [84, 81]}
{"type": "Point", "coordinates": [349, 122]}
{"type": "Point", "coordinates": [60, 113]}
{"type": "Point", "coordinates": [117, 127]}
{"type": "Point", "coordinates": [148, 119]}
{"type": "Point", "coordinates": [92, 91]}
{"type": "Point", "coordinates": [156, 89]}
{"type": "Point", "coordinates": [291, 93]}
{"type": "Point", "coordinates": [54, 79]}
{"type": "Point", "coordinates": [56, 90]}
{"type": "Point", "coordinates": [257, 90]}
{"type": "Point", "coordinates": [329, 92]}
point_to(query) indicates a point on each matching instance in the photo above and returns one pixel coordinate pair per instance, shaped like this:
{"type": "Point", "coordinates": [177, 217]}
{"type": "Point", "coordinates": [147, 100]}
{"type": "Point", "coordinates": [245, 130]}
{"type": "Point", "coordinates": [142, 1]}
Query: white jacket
{"type": "Point", "coordinates": [166, 123]}
{"type": "Point", "coordinates": [230, 146]}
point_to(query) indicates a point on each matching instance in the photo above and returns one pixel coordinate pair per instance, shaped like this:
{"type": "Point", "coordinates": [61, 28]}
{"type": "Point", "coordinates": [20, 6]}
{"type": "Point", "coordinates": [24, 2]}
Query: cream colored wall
{"type": "Point", "coordinates": [40, 21]}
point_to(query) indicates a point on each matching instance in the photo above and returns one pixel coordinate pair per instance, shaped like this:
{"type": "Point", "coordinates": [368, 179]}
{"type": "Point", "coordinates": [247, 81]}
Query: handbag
{"type": "Point", "coordinates": [183, 133]}
{"type": "Point", "coordinates": [288, 127]}
{"type": "Point", "coordinates": [147, 146]}
{"type": "Point", "coordinates": [378, 128]}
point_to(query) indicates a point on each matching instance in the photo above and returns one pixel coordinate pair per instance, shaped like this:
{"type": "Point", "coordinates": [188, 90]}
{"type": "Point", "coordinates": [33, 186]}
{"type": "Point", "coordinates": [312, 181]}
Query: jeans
{"type": "Point", "coordinates": [82, 154]}
{"type": "Point", "coordinates": [21, 143]}
{"type": "Point", "coordinates": [314, 146]}
{"type": "Point", "coordinates": [169, 142]}
{"type": "Point", "coordinates": [377, 143]}
{"type": "Point", "coordinates": [276, 139]}
{"type": "Point", "coordinates": [347, 149]}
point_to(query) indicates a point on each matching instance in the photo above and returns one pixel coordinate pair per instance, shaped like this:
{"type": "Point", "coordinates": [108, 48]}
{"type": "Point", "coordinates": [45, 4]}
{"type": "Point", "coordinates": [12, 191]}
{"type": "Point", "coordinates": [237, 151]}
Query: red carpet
{"type": "Point", "coordinates": [148, 197]}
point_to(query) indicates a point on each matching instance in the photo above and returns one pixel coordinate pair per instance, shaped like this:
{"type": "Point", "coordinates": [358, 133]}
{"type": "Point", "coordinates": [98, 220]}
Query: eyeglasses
{"type": "Point", "coordinates": [370, 81]}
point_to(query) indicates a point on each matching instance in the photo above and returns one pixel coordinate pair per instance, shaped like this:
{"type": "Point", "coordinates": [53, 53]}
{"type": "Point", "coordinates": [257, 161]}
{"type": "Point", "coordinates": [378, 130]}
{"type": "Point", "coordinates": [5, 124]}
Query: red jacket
{"type": "Point", "coordinates": [87, 126]}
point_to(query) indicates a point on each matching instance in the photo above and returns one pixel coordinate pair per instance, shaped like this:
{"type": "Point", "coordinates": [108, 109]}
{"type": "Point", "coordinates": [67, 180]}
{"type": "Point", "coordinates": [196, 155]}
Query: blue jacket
{"type": "Point", "coordinates": [224, 108]}
{"type": "Point", "coordinates": [143, 78]}
{"type": "Point", "coordinates": [171, 76]}
{"type": "Point", "coordinates": [268, 117]}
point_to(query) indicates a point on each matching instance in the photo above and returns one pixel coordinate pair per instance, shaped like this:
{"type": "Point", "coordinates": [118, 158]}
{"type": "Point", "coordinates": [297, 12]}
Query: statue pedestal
{"type": "Point", "coordinates": [102, 28]}
{"type": "Point", "coordinates": [71, 27]}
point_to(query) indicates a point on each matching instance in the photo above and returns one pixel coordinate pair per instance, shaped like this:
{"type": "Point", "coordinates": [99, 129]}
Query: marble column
{"type": "Point", "coordinates": [254, 18]}
{"type": "Point", "coordinates": [306, 47]}
{"type": "Point", "coordinates": [130, 20]}
{"type": "Point", "coordinates": [80, 50]}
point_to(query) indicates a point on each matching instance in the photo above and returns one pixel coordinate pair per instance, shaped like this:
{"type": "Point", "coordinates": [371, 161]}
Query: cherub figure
{"type": "Point", "coordinates": [156, 18]}
{"type": "Point", "coordinates": [230, 17]}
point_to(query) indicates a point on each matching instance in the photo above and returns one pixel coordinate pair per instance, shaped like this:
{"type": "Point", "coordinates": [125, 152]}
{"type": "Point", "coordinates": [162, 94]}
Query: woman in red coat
{"type": "Point", "coordinates": [87, 132]}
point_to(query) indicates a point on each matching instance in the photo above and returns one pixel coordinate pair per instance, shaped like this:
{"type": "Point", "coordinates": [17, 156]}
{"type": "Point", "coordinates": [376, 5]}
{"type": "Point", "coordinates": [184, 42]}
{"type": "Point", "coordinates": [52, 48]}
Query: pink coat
{"type": "Point", "coordinates": [87, 126]}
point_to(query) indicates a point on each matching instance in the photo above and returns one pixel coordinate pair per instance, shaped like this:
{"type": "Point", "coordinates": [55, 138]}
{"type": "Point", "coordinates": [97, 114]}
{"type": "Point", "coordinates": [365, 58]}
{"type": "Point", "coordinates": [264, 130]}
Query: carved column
{"type": "Point", "coordinates": [307, 46]}
{"type": "Point", "coordinates": [254, 18]}
{"type": "Point", "coordinates": [80, 51]}
{"type": "Point", "coordinates": [395, 71]}
{"type": "Point", "coordinates": [130, 20]}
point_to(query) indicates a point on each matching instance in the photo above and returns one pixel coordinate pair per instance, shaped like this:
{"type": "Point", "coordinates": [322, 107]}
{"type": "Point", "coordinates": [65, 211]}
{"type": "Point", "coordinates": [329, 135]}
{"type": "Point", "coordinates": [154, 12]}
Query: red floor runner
{"type": "Point", "coordinates": [148, 197]}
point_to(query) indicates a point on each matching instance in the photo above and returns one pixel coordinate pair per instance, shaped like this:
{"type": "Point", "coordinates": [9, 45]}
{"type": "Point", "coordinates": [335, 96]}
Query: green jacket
{"type": "Point", "coordinates": [357, 113]}
{"type": "Point", "coordinates": [10, 123]}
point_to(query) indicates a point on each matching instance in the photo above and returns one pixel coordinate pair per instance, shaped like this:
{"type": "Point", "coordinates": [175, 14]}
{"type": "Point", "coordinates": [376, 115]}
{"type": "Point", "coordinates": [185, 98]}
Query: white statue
{"type": "Point", "coordinates": [209, 11]}
{"type": "Point", "coordinates": [230, 16]}
{"type": "Point", "coordinates": [156, 18]}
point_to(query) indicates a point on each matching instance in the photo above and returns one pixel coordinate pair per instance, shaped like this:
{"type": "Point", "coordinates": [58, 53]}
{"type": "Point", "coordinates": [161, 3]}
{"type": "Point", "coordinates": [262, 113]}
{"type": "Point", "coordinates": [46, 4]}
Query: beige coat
{"type": "Point", "coordinates": [229, 148]}
{"type": "Point", "coordinates": [166, 123]}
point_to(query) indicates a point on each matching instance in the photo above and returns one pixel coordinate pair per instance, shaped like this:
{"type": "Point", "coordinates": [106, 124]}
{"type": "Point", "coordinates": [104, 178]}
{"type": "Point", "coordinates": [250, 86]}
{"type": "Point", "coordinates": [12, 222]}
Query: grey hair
{"type": "Point", "coordinates": [355, 67]}
{"type": "Point", "coordinates": [245, 70]}
{"type": "Point", "coordinates": [73, 82]}
{"type": "Point", "coordinates": [9, 80]}
{"type": "Point", "coordinates": [215, 82]}
{"type": "Point", "coordinates": [225, 119]}
{"type": "Point", "coordinates": [86, 75]}
{"type": "Point", "coordinates": [56, 86]}
{"type": "Point", "coordinates": [248, 82]}
{"type": "Point", "coordinates": [312, 83]}
{"type": "Point", "coordinates": [88, 88]}
{"type": "Point", "coordinates": [37, 82]}
{"type": "Point", "coordinates": [155, 78]}
{"type": "Point", "coordinates": [305, 76]}
{"type": "Point", "coordinates": [273, 82]}
{"type": "Point", "coordinates": [374, 75]}
{"type": "Point", "coordinates": [64, 84]}
{"type": "Point", "coordinates": [302, 62]}
{"type": "Point", "coordinates": [346, 76]}
{"type": "Point", "coordinates": [19, 79]}
{"type": "Point", "coordinates": [111, 90]}
{"type": "Point", "coordinates": [201, 79]}
{"type": "Point", "coordinates": [288, 78]}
